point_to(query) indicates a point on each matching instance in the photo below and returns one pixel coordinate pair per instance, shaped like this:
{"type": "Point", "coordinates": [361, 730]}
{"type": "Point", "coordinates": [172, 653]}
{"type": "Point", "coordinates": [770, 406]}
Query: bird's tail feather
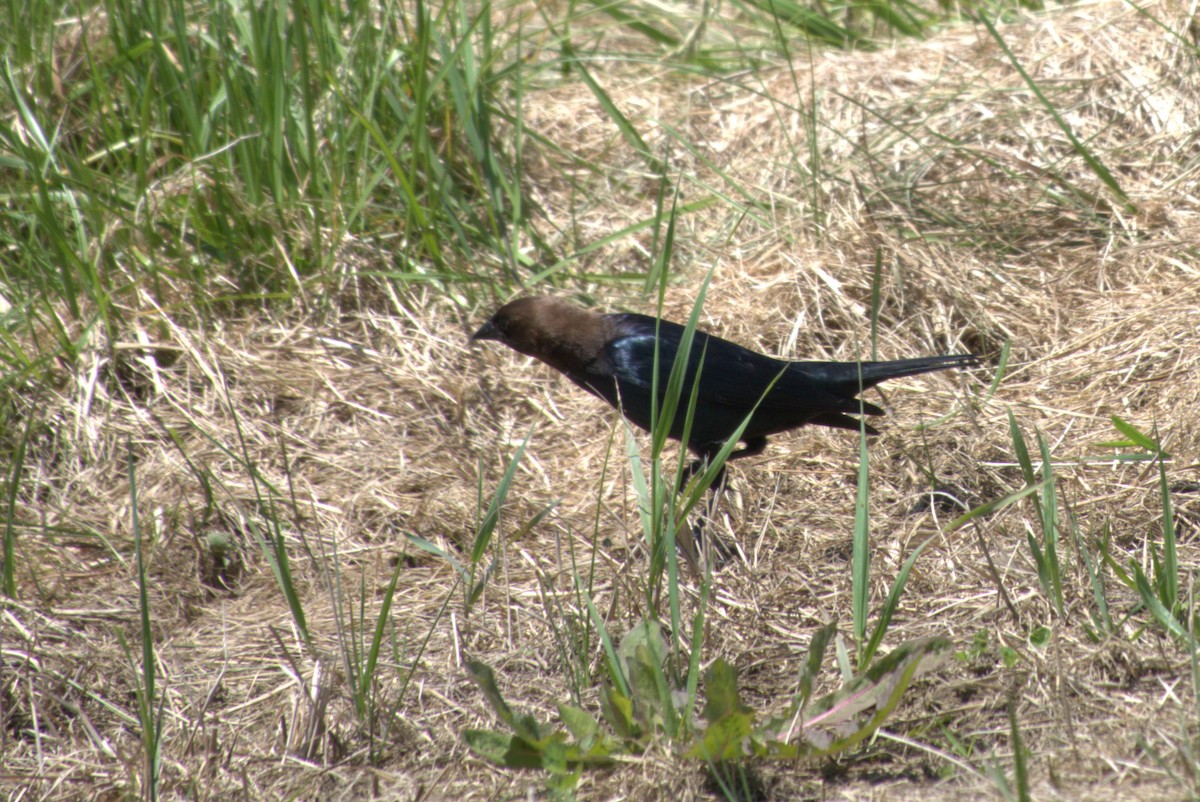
{"type": "Point", "coordinates": [875, 372]}
{"type": "Point", "coordinates": [847, 378]}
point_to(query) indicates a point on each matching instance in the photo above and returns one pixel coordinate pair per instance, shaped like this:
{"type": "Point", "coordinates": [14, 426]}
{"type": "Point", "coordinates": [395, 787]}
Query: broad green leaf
{"type": "Point", "coordinates": [724, 739]}
{"type": "Point", "coordinates": [721, 692]}
{"type": "Point", "coordinates": [618, 712]}
{"type": "Point", "coordinates": [503, 749]}
{"type": "Point", "coordinates": [580, 723]}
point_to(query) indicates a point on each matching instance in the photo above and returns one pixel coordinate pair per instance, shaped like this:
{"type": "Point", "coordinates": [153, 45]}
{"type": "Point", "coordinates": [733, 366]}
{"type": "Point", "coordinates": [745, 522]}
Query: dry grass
{"type": "Point", "coordinates": [373, 426]}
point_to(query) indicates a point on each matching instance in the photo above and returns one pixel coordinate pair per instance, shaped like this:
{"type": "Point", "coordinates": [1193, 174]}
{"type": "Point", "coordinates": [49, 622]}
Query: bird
{"type": "Point", "coordinates": [612, 356]}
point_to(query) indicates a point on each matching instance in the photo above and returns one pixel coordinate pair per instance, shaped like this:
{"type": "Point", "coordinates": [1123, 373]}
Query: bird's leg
{"type": "Point", "coordinates": [694, 467]}
{"type": "Point", "coordinates": [714, 548]}
{"type": "Point", "coordinates": [754, 447]}
{"type": "Point", "coordinates": [697, 467]}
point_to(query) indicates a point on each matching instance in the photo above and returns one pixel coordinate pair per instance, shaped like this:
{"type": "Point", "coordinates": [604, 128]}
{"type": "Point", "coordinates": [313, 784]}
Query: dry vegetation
{"type": "Point", "coordinates": [374, 425]}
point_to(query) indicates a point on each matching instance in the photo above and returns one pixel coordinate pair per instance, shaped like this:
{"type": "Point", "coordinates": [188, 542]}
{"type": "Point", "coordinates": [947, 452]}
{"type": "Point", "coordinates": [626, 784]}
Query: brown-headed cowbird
{"type": "Point", "coordinates": [612, 356]}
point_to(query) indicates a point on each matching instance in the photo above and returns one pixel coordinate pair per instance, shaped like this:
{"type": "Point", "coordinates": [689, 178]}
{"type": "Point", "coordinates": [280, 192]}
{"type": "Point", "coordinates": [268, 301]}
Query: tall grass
{"type": "Point", "coordinates": [215, 156]}
{"type": "Point", "coordinates": [149, 702]}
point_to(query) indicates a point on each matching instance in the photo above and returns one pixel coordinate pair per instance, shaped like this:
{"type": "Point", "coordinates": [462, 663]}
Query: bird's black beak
{"type": "Point", "coordinates": [487, 331]}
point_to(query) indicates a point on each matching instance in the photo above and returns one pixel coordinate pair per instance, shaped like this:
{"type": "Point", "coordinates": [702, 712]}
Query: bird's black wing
{"type": "Point", "coordinates": [732, 376]}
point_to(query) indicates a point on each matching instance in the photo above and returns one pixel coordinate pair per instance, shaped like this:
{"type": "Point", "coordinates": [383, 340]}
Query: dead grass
{"type": "Point", "coordinates": [373, 426]}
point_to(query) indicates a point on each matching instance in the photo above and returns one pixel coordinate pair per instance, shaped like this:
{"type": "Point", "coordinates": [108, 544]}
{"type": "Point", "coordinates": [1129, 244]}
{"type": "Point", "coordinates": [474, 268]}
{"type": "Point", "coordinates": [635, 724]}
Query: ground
{"type": "Point", "coordinates": [364, 433]}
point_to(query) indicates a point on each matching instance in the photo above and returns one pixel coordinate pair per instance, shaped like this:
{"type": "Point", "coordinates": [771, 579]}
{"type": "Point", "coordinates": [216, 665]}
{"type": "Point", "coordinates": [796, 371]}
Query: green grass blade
{"type": "Point", "coordinates": [860, 562]}
{"type": "Point", "coordinates": [1082, 150]}
{"type": "Point", "coordinates": [891, 604]}
{"type": "Point", "coordinates": [994, 506]}
{"type": "Point", "coordinates": [488, 525]}
{"type": "Point", "coordinates": [1020, 767]}
{"type": "Point", "coordinates": [1168, 580]}
{"type": "Point", "coordinates": [631, 22]}
{"type": "Point", "coordinates": [8, 578]}
{"type": "Point", "coordinates": [1048, 510]}
{"type": "Point", "coordinates": [627, 129]}
{"type": "Point", "coordinates": [1020, 449]}
{"type": "Point", "coordinates": [146, 713]}
{"type": "Point", "coordinates": [1137, 437]}
{"type": "Point", "coordinates": [1164, 616]}
{"type": "Point", "coordinates": [366, 677]}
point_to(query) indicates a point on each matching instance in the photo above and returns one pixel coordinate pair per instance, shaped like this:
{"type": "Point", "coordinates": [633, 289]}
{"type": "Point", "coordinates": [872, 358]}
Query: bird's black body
{"type": "Point", "coordinates": [733, 382]}
{"type": "Point", "coordinates": [613, 357]}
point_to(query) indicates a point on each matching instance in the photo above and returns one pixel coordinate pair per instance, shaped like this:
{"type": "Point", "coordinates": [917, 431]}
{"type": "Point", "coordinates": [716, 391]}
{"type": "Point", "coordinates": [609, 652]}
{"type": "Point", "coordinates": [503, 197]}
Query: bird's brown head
{"type": "Point", "coordinates": [560, 334]}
